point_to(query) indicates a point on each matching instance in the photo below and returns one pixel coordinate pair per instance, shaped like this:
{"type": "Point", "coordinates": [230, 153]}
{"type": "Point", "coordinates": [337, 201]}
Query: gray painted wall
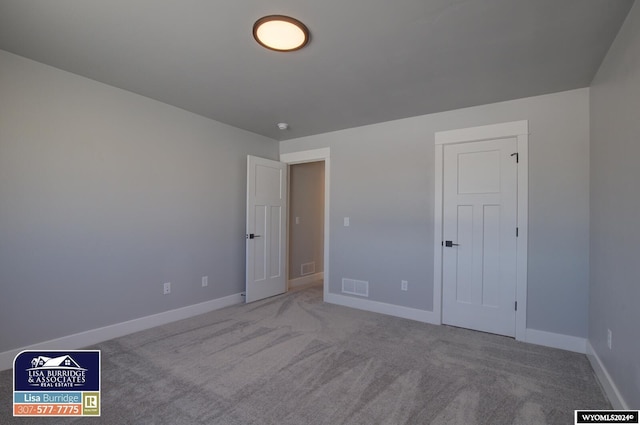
{"type": "Point", "coordinates": [105, 195]}
{"type": "Point", "coordinates": [615, 210]}
{"type": "Point", "coordinates": [306, 201]}
{"type": "Point", "coordinates": [382, 177]}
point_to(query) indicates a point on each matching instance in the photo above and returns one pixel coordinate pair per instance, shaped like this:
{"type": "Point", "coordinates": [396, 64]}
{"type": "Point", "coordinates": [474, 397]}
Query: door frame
{"type": "Point", "coordinates": [520, 131]}
{"type": "Point", "coordinates": [315, 155]}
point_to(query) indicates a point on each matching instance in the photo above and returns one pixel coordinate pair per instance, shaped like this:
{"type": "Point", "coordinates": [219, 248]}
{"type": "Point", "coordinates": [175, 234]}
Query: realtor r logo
{"type": "Point", "coordinates": [91, 401]}
{"type": "Point", "coordinates": [90, 404]}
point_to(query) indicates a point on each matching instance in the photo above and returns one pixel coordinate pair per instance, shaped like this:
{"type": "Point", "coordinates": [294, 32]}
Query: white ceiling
{"type": "Point", "coordinates": [368, 60]}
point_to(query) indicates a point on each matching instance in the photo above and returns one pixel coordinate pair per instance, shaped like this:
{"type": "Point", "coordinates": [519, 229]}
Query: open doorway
{"type": "Point", "coordinates": [306, 244]}
{"type": "Point", "coordinates": [268, 224]}
{"type": "Point", "coordinates": [314, 155]}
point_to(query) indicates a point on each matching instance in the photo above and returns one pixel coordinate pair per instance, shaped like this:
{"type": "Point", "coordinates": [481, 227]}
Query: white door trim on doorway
{"type": "Point", "coordinates": [314, 155]}
{"type": "Point", "coordinates": [519, 130]}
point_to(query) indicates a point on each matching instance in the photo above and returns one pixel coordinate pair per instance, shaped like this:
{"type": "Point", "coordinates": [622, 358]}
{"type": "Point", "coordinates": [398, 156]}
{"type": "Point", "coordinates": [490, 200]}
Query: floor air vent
{"type": "Point", "coordinates": [355, 287]}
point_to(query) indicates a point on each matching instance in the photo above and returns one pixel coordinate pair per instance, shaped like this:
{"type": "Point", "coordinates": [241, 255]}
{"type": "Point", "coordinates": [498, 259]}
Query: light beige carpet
{"type": "Point", "coordinates": [294, 360]}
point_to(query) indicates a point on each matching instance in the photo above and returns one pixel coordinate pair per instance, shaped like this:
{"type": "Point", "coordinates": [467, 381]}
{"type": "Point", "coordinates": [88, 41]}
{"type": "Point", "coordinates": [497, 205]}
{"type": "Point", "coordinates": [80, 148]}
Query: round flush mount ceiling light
{"type": "Point", "coordinates": [280, 33]}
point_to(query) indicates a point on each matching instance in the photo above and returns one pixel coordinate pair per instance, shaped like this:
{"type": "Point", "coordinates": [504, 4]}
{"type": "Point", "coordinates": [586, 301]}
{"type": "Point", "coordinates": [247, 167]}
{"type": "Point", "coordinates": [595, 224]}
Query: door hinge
{"type": "Point", "coordinates": [517, 231]}
{"type": "Point", "coordinates": [517, 155]}
{"type": "Point", "coordinates": [516, 305]}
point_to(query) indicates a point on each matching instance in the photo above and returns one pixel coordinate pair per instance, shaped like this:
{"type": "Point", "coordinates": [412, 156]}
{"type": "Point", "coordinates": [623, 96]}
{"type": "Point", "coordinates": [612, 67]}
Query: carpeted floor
{"type": "Point", "coordinates": [294, 360]}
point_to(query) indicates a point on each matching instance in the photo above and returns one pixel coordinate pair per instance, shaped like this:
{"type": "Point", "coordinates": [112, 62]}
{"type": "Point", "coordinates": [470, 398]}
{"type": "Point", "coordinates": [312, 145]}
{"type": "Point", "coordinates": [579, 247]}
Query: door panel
{"type": "Point", "coordinates": [276, 242]}
{"type": "Point", "coordinates": [480, 216]}
{"type": "Point", "coordinates": [266, 228]}
{"type": "Point", "coordinates": [479, 172]}
{"type": "Point", "coordinates": [259, 250]}
{"type": "Point", "coordinates": [491, 256]}
{"type": "Point", "coordinates": [464, 284]}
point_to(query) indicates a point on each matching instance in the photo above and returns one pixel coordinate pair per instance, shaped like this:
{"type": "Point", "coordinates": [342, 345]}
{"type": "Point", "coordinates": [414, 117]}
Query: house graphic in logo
{"type": "Point", "coordinates": [55, 372]}
{"type": "Point", "coordinates": [62, 362]}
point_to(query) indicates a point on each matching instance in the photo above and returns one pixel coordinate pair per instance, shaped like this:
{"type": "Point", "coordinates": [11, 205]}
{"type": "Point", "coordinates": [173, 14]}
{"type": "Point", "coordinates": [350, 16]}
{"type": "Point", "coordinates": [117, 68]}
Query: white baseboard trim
{"type": "Point", "coordinates": [94, 336]}
{"type": "Point", "coordinates": [609, 387]}
{"type": "Point", "coordinates": [383, 308]}
{"type": "Point", "coordinates": [554, 340]}
{"type": "Point", "coordinates": [533, 336]}
{"type": "Point", "coordinates": [305, 280]}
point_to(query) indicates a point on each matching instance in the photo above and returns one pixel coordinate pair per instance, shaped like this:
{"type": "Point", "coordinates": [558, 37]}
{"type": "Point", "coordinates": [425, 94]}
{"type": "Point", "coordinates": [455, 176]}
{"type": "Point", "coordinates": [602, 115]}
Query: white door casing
{"type": "Point", "coordinates": [479, 232]}
{"type": "Point", "coordinates": [313, 155]}
{"type": "Point", "coordinates": [444, 256]}
{"type": "Point", "coordinates": [266, 236]}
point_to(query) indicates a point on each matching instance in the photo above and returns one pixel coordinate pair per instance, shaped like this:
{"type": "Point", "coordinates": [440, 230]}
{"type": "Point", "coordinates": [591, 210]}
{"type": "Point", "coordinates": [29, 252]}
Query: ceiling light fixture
{"type": "Point", "coordinates": [280, 33]}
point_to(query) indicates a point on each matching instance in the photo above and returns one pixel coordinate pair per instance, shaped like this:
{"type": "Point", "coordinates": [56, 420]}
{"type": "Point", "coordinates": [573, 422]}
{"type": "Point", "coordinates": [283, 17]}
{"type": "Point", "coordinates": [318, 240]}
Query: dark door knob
{"type": "Point", "coordinates": [450, 244]}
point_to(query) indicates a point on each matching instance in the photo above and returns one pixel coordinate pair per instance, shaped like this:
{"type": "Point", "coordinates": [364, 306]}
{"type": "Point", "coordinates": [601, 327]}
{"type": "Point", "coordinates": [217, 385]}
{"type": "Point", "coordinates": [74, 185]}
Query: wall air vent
{"type": "Point", "coordinates": [355, 287]}
{"type": "Point", "coordinates": [307, 268]}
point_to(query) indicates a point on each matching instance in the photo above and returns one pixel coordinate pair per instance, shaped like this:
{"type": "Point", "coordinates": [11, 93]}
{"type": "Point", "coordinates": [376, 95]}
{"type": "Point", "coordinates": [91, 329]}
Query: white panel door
{"type": "Point", "coordinates": [479, 235]}
{"type": "Point", "coordinates": [266, 228]}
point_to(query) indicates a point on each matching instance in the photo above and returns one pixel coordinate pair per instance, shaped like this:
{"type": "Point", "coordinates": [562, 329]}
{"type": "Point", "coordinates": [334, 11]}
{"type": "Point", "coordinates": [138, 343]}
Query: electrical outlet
{"type": "Point", "coordinates": [404, 285]}
{"type": "Point", "coordinates": [205, 281]}
{"type": "Point", "coordinates": [609, 337]}
{"type": "Point", "coordinates": [167, 288]}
